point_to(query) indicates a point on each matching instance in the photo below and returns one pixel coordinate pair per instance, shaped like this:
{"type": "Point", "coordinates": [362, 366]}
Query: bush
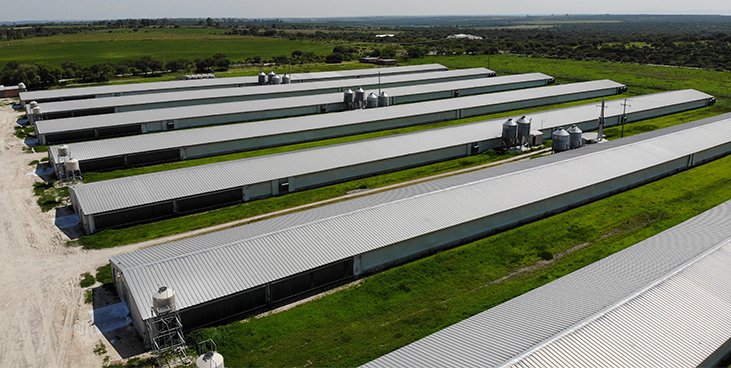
{"type": "Point", "coordinates": [334, 59]}
{"type": "Point", "coordinates": [87, 280]}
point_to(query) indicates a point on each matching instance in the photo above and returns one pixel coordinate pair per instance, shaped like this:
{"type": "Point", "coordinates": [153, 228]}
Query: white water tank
{"type": "Point", "coordinates": [210, 360]}
{"type": "Point", "coordinates": [72, 165]}
{"type": "Point", "coordinates": [164, 299]}
{"type": "Point", "coordinates": [63, 151]}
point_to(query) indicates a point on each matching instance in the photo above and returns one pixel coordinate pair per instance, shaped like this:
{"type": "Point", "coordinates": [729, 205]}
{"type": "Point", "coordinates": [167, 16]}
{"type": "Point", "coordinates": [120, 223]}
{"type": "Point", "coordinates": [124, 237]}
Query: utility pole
{"type": "Point", "coordinates": [624, 115]}
{"type": "Point", "coordinates": [379, 82]}
{"type": "Point", "coordinates": [600, 131]}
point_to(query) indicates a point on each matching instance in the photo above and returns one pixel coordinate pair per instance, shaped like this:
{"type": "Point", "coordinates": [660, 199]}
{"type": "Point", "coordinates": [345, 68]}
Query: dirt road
{"type": "Point", "coordinates": [44, 321]}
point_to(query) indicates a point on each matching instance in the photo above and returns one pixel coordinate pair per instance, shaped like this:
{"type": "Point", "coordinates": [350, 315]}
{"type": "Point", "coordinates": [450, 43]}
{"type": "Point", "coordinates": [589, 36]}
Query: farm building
{"type": "Point", "coordinates": [140, 122]}
{"type": "Point", "coordinates": [127, 201]}
{"type": "Point", "coordinates": [143, 150]}
{"type": "Point", "coordinates": [231, 273]}
{"type": "Point", "coordinates": [664, 302]}
{"type": "Point", "coordinates": [9, 91]}
{"type": "Point", "coordinates": [149, 101]}
{"type": "Point", "coordinates": [199, 84]}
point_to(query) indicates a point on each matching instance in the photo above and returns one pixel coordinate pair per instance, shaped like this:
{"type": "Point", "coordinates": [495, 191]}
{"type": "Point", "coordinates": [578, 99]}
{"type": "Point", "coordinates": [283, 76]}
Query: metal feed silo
{"type": "Point", "coordinates": [372, 100]}
{"type": "Point", "coordinates": [348, 97]}
{"type": "Point", "coordinates": [560, 139]}
{"type": "Point", "coordinates": [287, 79]}
{"type": "Point", "coordinates": [262, 78]}
{"type": "Point", "coordinates": [360, 95]}
{"type": "Point", "coordinates": [574, 137]}
{"type": "Point", "coordinates": [270, 76]}
{"type": "Point", "coordinates": [523, 131]}
{"type": "Point", "coordinates": [384, 100]}
{"type": "Point", "coordinates": [510, 133]}
{"type": "Point", "coordinates": [21, 87]}
{"type": "Point", "coordinates": [276, 79]}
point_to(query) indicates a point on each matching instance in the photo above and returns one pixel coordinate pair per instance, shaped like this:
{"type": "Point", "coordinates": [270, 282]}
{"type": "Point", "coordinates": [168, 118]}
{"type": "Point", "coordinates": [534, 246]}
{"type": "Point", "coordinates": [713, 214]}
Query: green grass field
{"type": "Point", "coordinates": [393, 308]}
{"type": "Point", "coordinates": [641, 79]}
{"type": "Point", "coordinates": [163, 44]}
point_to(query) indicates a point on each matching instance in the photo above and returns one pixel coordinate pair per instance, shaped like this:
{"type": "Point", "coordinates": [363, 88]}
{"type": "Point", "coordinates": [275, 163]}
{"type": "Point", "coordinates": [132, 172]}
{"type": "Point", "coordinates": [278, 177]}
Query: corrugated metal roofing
{"type": "Point", "coordinates": [208, 267]}
{"type": "Point", "coordinates": [220, 82]}
{"type": "Point", "coordinates": [199, 136]}
{"type": "Point", "coordinates": [665, 302]}
{"type": "Point", "coordinates": [382, 113]}
{"type": "Point", "coordinates": [151, 188]}
{"type": "Point", "coordinates": [268, 90]}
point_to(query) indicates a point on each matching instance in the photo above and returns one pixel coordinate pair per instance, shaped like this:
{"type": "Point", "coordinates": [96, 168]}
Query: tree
{"type": "Point", "coordinates": [178, 65]}
{"type": "Point", "coordinates": [221, 62]}
{"type": "Point", "coordinates": [209, 22]}
{"type": "Point", "coordinates": [415, 52]}
{"type": "Point", "coordinates": [334, 59]}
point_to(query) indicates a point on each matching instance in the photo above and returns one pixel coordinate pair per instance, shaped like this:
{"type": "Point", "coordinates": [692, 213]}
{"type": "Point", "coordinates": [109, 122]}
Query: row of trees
{"type": "Point", "coordinates": [639, 43]}
{"type": "Point", "coordinates": [40, 76]}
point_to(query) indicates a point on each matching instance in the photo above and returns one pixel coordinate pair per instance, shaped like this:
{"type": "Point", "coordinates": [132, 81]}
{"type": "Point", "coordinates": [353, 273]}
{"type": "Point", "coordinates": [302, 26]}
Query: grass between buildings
{"type": "Point", "coordinates": [398, 306]}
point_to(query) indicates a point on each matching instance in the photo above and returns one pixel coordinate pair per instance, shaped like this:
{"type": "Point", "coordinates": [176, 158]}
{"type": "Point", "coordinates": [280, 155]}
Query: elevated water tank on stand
{"type": "Point", "coordinates": [560, 139]}
{"type": "Point", "coordinates": [164, 299]}
{"type": "Point", "coordinates": [574, 137]}
{"type": "Point", "coordinates": [372, 101]}
{"type": "Point", "coordinates": [72, 165]}
{"type": "Point", "coordinates": [63, 151]}
{"type": "Point", "coordinates": [383, 100]}
{"type": "Point", "coordinates": [510, 133]}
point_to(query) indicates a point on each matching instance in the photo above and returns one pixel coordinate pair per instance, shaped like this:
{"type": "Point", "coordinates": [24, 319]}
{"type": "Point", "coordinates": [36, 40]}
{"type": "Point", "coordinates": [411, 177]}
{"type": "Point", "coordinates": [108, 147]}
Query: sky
{"type": "Point", "coordinates": [14, 10]}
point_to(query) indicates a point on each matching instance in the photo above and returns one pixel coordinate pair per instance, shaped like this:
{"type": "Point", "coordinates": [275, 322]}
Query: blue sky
{"type": "Point", "coordinates": [112, 9]}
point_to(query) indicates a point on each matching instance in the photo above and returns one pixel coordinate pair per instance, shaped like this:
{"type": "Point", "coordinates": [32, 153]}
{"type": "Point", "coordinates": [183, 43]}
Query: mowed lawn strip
{"type": "Point", "coordinates": [396, 307]}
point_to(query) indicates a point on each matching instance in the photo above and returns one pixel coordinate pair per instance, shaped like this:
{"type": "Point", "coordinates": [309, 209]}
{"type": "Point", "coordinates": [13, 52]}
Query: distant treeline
{"type": "Point", "coordinates": [652, 43]}
{"type": "Point", "coordinates": [41, 76]}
